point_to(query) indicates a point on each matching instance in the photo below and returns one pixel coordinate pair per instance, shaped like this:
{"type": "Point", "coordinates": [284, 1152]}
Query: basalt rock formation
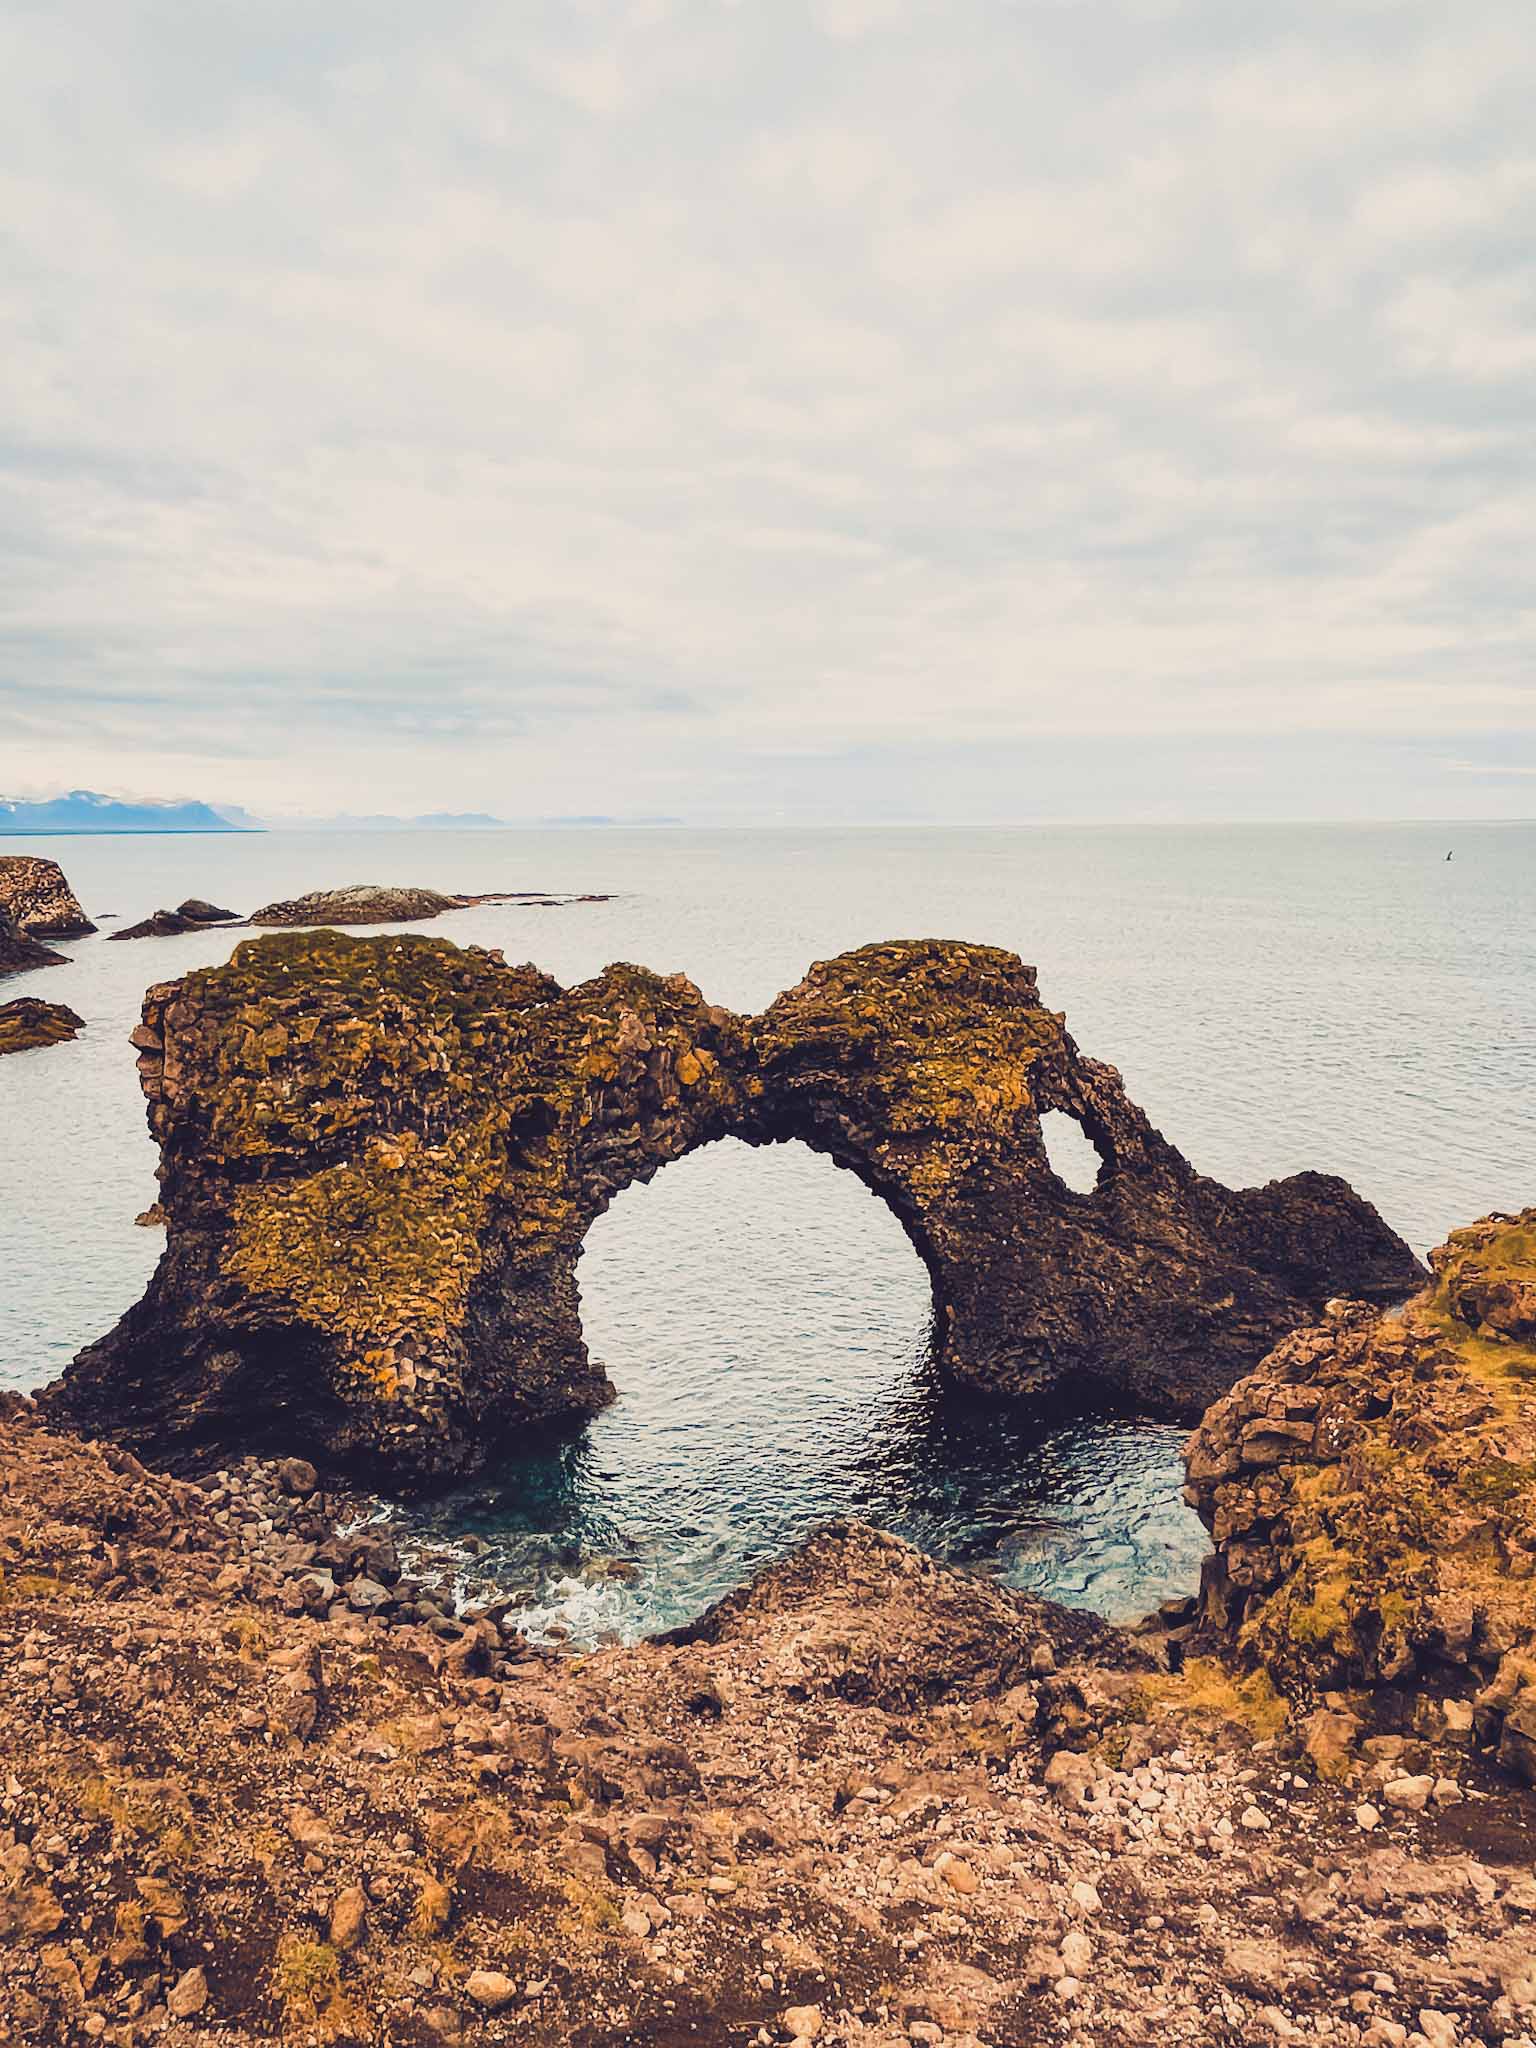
{"type": "Point", "coordinates": [1371, 1489]}
{"type": "Point", "coordinates": [20, 954]}
{"type": "Point", "coordinates": [380, 1158]}
{"type": "Point", "coordinates": [195, 915]}
{"type": "Point", "coordinates": [27, 1023]}
{"type": "Point", "coordinates": [373, 903]}
{"type": "Point", "coordinates": [37, 896]}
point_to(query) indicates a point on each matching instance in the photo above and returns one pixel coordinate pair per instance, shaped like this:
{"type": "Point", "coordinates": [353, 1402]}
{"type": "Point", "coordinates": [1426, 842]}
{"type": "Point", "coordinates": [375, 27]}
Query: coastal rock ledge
{"type": "Point", "coordinates": [379, 1159]}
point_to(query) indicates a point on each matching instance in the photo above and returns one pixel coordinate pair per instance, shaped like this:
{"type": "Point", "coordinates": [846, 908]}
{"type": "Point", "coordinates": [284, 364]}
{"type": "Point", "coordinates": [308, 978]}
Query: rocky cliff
{"type": "Point", "coordinates": [39, 899]}
{"type": "Point", "coordinates": [380, 1158]}
{"type": "Point", "coordinates": [1371, 1490]}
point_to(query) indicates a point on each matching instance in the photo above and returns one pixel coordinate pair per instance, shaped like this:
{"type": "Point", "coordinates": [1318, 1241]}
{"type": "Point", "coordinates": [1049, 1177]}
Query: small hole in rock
{"type": "Point", "coordinates": [1071, 1152]}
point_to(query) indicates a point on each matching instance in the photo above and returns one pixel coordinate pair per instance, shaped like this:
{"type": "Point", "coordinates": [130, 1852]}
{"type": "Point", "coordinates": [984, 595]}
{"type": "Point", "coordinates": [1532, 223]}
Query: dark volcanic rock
{"type": "Point", "coordinates": [380, 1158]}
{"type": "Point", "coordinates": [37, 896]}
{"type": "Point", "coordinates": [192, 916]}
{"type": "Point", "coordinates": [18, 953]}
{"type": "Point", "coordinates": [371, 903]}
{"type": "Point", "coordinates": [28, 1023]}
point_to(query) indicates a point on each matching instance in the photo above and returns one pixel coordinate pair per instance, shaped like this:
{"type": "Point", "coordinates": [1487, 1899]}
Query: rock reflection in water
{"type": "Point", "coordinates": [767, 1322]}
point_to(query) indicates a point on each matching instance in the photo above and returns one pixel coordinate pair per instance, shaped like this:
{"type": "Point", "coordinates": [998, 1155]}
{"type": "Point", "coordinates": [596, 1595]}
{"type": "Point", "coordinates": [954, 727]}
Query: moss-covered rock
{"type": "Point", "coordinates": [357, 903]}
{"type": "Point", "coordinates": [380, 1158]}
{"type": "Point", "coordinates": [27, 1023]}
{"type": "Point", "coordinates": [1371, 1491]}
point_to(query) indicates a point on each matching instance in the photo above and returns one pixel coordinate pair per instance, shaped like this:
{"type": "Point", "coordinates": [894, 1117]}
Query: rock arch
{"type": "Point", "coordinates": [379, 1158]}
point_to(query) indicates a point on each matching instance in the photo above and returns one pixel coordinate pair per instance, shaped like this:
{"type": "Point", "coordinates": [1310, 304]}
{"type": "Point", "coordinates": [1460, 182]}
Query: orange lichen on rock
{"type": "Point", "coordinates": [1371, 1490]}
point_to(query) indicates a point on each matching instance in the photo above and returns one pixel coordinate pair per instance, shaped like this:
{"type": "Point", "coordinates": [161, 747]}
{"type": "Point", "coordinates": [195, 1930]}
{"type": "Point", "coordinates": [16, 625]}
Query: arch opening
{"type": "Point", "coordinates": [1070, 1150]}
{"type": "Point", "coordinates": [758, 1309]}
{"type": "Point", "coordinates": [767, 1320]}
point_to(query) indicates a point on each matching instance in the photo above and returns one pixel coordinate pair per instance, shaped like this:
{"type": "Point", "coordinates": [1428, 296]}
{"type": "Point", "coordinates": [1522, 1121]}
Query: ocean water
{"type": "Point", "coordinates": [1276, 997]}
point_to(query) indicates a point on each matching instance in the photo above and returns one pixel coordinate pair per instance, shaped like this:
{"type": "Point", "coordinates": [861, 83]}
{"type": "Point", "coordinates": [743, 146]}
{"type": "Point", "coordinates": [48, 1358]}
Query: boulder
{"type": "Point", "coordinates": [1371, 1492]}
{"type": "Point", "coordinates": [194, 915]}
{"type": "Point", "coordinates": [19, 954]}
{"type": "Point", "coordinates": [379, 903]}
{"type": "Point", "coordinates": [27, 1023]}
{"type": "Point", "coordinates": [39, 899]}
{"type": "Point", "coordinates": [379, 1159]}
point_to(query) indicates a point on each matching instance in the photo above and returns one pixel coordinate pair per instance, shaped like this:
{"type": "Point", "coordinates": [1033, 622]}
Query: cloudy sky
{"type": "Point", "coordinates": [771, 409]}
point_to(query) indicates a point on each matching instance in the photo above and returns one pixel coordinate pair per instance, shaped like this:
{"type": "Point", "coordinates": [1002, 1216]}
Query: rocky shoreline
{"type": "Point", "coordinates": [259, 1787]}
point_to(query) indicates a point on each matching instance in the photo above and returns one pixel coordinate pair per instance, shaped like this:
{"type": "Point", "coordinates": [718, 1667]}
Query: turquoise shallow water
{"type": "Point", "coordinates": [1276, 997]}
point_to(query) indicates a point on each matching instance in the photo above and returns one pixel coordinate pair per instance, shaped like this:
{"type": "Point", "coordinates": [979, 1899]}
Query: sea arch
{"type": "Point", "coordinates": [380, 1157]}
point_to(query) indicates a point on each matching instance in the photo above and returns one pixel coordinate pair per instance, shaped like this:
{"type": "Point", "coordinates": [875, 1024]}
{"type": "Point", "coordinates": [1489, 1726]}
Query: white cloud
{"type": "Point", "coordinates": [626, 393]}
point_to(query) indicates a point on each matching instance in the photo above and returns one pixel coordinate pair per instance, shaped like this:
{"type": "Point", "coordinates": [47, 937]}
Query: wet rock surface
{"type": "Point", "coordinates": [380, 1157]}
{"type": "Point", "coordinates": [867, 1803]}
{"type": "Point", "coordinates": [27, 1023]}
{"type": "Point", "coordinates": [20, 954]}
{"type": "Point", "coordinates": [39, 899]}
{"type": "Point", "coordinates": [1371, 1491]}
{"type": "Point", "coordinates": [194, 915]}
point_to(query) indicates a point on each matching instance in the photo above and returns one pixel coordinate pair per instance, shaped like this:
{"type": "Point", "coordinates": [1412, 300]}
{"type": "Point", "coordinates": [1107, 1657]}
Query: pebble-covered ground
{"type": "Point", "coordinates": [254, 1788]}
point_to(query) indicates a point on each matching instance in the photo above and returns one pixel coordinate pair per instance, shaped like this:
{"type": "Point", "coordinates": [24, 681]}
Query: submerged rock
{"type": "Point", "coordinates": [195, 915]}
{"type": "Point", "coordinates": [380, 1158]}
{"type": "Point", "coordinates": [20, 954]}
{"type": "Point", "coordinates": [37, 896]}
{"type": "Point", "coordinates": [27, 1023]}
{"type": "Point", "coordinates": [1371, 1489]}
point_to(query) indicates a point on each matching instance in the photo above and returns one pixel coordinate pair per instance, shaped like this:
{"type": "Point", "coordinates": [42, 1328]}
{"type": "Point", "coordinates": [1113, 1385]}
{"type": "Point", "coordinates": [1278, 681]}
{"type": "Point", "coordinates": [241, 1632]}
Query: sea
{"type": "Point", "coordinates": [1358, 999]}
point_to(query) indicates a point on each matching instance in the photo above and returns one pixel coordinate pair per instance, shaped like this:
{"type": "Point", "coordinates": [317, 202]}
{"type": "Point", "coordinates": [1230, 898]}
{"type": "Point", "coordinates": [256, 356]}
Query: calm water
{"type": "Point", "coordinates": [1277, 997]}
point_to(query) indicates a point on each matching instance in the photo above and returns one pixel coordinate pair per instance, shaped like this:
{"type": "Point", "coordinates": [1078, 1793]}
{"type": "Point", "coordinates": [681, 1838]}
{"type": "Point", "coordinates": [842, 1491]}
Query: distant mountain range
{"type": "Point", "coordinates": [433, 821]}
{"type": "Point", "coordinates": [86, 810]}
{"type": "Point", "coordinates": [446, 821]}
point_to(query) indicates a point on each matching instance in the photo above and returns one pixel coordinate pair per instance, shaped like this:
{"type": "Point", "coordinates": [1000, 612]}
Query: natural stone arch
{"type": "Point", "coordinates": [380, 1158]}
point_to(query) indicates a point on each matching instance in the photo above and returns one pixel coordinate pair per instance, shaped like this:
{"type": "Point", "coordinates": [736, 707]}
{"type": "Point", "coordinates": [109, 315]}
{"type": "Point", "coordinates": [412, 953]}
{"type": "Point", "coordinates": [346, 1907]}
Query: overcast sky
{"type": "Point", "coordinates": [787, 409]}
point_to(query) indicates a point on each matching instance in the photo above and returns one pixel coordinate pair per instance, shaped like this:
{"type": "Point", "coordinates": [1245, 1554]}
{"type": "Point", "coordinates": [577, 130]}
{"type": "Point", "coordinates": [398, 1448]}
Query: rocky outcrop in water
{"type": "Point", "coordinates": [27, 1023]}
{"type": "Point", "coordinates": [372, 903]}
{"type": "Point", "coordinates": [18, 953]}
{"type": "Point", "coordinates": [195, 915]}
{"type": "Point", "coordinates": [1371, 1489]}
{"type": "Point", "coordinates": [379, 1159]}
{"type": "Point", "coordinates": [39, 899]}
